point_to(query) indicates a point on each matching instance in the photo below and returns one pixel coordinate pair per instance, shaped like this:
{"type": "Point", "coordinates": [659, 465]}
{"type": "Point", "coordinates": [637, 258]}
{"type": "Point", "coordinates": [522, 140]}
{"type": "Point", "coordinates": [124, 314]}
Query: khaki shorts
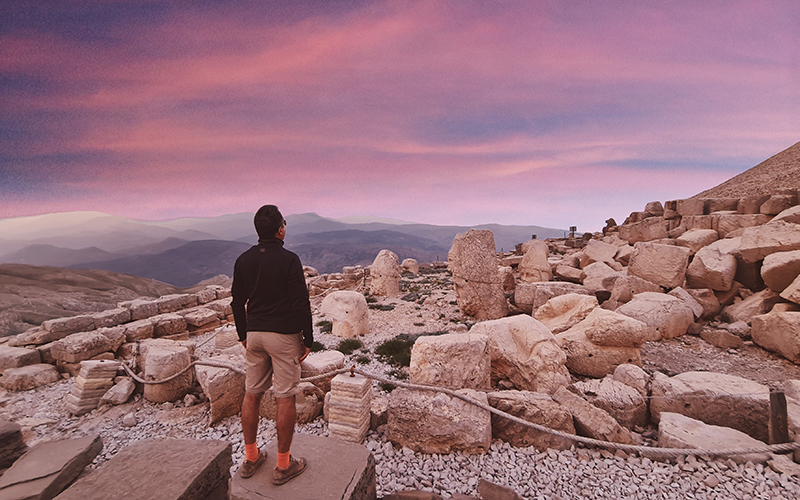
{"type": "Point", "coordinates": [272, 359]}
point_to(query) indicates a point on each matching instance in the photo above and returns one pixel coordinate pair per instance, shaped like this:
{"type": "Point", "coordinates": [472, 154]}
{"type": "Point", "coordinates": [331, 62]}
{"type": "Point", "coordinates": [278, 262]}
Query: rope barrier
{"type": "Point", "coordinates": [646, 451]}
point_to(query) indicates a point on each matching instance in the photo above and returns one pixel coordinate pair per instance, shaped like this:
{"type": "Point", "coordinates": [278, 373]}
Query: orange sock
{"type": "Point", "coordinates": [251, 452]}
{"type": "Point", "coordinates": [283, 459]}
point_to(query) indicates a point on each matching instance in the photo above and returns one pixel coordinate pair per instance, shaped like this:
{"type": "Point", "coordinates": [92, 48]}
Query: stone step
{"type": "Point", "coordinates": [336, 470]}
{"type": "Point", "coordinates": [164, 469]}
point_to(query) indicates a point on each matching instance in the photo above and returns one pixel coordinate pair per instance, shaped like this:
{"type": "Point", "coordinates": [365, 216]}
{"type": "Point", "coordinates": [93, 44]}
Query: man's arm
{"type": "Point", "coordinates": [298, 297]}
{"type": "Point", "coordinates": [239, 296]}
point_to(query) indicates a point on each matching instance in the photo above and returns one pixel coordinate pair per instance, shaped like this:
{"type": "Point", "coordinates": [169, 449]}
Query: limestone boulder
{"type": "Point", "coordinates": [696, 239]}
{"type": "Point", "coordinates": [430, 422]}
{"type": "Point", "coordinates": [730, 223]}
{"type": "Point", "coordinates": [507, 278]}
{"type": "Point", "coordinates": [318, 363]}
{"type": "Point", "coordinates": [690, 206]}
{"type": "Point", "coordinates": [591, 421]}
{"type": "Point", "coordinates": [349, 313]}
{"type": "Point", "coordinates": [623, 255]}
{"type": "Point", "coordinates": [168, 324]}
{"type": "Point", "coordinates": [534, 407]}
{"type": "Point", "coordinates": [714, 398]}
{"type": "Point", "coordinates": [625, 287]}
{"type": "Point", "coordinates": [223, 387]}
{"type": "Point", "coordinates": [751, 204]}
{"type": "Point", "coordinates": [111, 317]}
{"type": "Point", "coordinates": [120, 392]}
{"type": "Point", "coordinates": [664, 265]}
{"type": "Point", "coordinates": [565, 311]}
{"type": "Point", "coordinates": [707, 299]}
{"type": "Point", "coordinates": [791, 214]}
{"type": "Point", "coordinates": [754, 305]}
{"type": "Point", "coordinates": [712, 267]}
{"type": "Point", "coordinates": [524, 352]}
{"type": "Point", "coordinates": [15, 357]}
{"type": "Point", "coordinates": [775, 236]}
{"type": "Point", "coordinates": [624, 403]}
{"type": "Point", "coordinates": [689, 300]}
{"type": "Point", "coordinates": [452, 360]}
{"type": "Point", "coordinates": [534, 266]}
{"type": "Point", "coordinates": [612, 329]}
{"type": "Point", "coordinates": [792, 292]}
{"type": "Point", "coordinates": [206, 295]}
{"type": "Point", "coordinates": [140, 308]}
{"type": "Point", "coordinates": [29, 377]}
{"type": "Point", "coordinates": [668, 315]}
{"type": "Point", "coordinates": [568, 273]}
{"type": "Point", "coordinates": [410, 266]}
{"type": "Point", "coordinates": [473, 262]}
{"type": "Point", "coordinates": [679, 431]}
{"type": "Point", "coordinates": [138, 330]}
{"type": "Point", "coordinates": [161, 358]}
{"type": "Point", "coordinates": [531, 296]}
{"type": "Point", "coordinates": [72, 324]}
{"type": "Point", "coordinates": [78, 347]}
{"type": "Point", "coordinates": [780, 269]}
{"type": "Point", "coordinates": [12, 444]}
{"type": "Point", "coordinates": [385, 274]}
{"type": "Point", "coordinates": [598, 251]}
{"type": "Point", "coordinates": [199, 318]}
{"type": "Point", "coordinates": [590, 360]}
{"type": "Point", "coordinates": [652, 228]}
{"type": "Point", "coordinates": [175, 302]}
{"type": "Point", "coordinates": [595, 277]}
{"type": "Point", "coordinates": [633, 376]}
{"type": "Point", "coordinates": [777, 203]}
{"type": "Point", "coordinates": [116, 334]}
{"type": "Point", "coordinates": [778, 332]}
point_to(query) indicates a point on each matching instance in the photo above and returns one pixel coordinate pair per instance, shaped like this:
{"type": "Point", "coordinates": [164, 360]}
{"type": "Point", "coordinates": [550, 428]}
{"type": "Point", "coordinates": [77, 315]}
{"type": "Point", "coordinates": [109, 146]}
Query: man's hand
{"type": "Point", "coordinates": [244, 344]}
{"type": "Point", "coordinates": [306, 350]}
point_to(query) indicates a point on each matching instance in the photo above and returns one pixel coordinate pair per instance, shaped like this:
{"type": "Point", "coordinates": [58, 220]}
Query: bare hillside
{"type": "Point", "coordinates": [779, 171]}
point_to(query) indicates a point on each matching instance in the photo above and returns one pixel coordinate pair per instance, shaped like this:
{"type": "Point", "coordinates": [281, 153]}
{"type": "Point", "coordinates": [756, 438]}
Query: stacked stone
{"type": "Point", "coordinates": [92, 382]}
{"type": "Point", "coordinates": [349, 407]}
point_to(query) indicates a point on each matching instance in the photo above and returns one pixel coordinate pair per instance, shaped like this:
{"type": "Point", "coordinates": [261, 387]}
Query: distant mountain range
{"type": "Point", "coordinates": [182, 252]}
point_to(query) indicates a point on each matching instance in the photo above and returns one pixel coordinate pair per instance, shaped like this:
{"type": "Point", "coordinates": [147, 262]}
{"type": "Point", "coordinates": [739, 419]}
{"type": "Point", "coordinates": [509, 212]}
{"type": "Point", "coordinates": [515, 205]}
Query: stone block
{"type": "Point", "coordinates": [12, 445]}
{"type": "Point", "coordinates": [186, 470]}
{"type": "Point", "coordinates": [679, 431]}
{"type": "Point", "coordinates": [138, 330]}
{"type": "Point", "coordinates": [754, 305]}
{"type": "Point", "coordinates": [721, 338]}
{"type": "Point", "coordinates": [111, 317]}
{"type": "Point", "coordinates": [751, 204]}
{"type": "Point", "coordinates": [668, 315]}
{"type": "Point", "coordinates": [588, 359]}
{"type": "Point", "coordinates": [120, 392]}
{"type": "Point", "coordinates": [691, 206]}
{"type": "Point", "coordinates": [714, 398]}
{"type": "Point", "coordinates": [168, 324]}
{"type": "Point", "coordinates": [780, 269]}
{"type": "Point", "coordinates": [565, 311]}
{"type": "Point", "coordinates": [337, 470]}
{"type": "Point", "coordinates": [649, 229]}
{"type": "Point", "coordinates": [116, 334]}
{"type": "Point", "coordinates": [775, 236]}
{"type": "Point", "coordinates": [591, 421]}
{"type": "Point", "coordinates": [612, 329]}
{"type": "Point", "coordinates": [199, 317]}
{"type": "Point", "coordinates": [698, 221]}
{"type": "Point", "coordinates": [81, 346]}
{"type": "Point", "coordinates": [309, 402]}
{"type": "Point", "coordinates": [778, 332]}
{"type": "Point", "coordinates": [318, 363]}
{"type": "Point", "coordinates": [777, 203]}
{"type": "Point", "coordinates": [49, 467]}
{"type": "Point", "coordinates": [16, 357]}
{"type": "Point", "coordinates": [160, 359]}
{"type": "Point", "coordinates": [728, 223]}
{"type": "Point", "coordinates": [695, 239]}
{"type": "Point", "coordinates": [707, 299]}
{"type": "Point", "coordinates": [349, 407]}
{"type": "Point", "coordinates": [438, 423]}
{"type": "Point", "coordinates": [206, 295]}
{"type": "Point", "coordinates": [533, 407]}
{"type": "Point", "coordinates": [29, 377]}
{"type": "Point", "coordinates": [223, 387]}
{"type": "Point", "coordinates": [664, 265]}
{"type": "Point", "coordinates": [712, 267]}
{"type": "Point", "coordinates": [140, 308]}
{"type": "Point", "coordinates": [385, 274]}
{"type": "Point", "coordinates": [531, 296]}
{"type": "Point", "coordinates": [792, 292]}
{"type": "Point", "coordinates": [452, 360]}
{"type": "Point", "coordinates": [633, 376]}
{"type": "Point", "coordinates": [534, 266]}
{"type": "Point", "coordinates": [72, 324]}
{"type": "Point", "coordinates": [624, 403]}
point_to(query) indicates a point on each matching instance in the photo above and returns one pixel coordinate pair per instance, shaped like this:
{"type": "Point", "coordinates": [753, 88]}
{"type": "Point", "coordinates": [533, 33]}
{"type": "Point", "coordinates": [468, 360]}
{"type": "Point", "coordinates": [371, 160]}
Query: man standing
{"type": "Point", "coordinates": [273, 319]}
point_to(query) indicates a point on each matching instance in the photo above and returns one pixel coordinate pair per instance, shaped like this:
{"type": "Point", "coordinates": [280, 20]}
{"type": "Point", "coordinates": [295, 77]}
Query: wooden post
{"type": "Point", "coordinates": [778, 421]}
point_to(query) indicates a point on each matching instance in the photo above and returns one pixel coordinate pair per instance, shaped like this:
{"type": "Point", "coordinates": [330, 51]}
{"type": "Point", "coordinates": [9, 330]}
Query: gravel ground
{"type": "Point", "coordinates": [573, 473]}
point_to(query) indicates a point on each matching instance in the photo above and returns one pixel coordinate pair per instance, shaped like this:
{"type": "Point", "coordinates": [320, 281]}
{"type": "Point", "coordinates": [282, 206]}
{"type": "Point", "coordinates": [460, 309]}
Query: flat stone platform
{"type": "Point", "coordinates": [336, 470]}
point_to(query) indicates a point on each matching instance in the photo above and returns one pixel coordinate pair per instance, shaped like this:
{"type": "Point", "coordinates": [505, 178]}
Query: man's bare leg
{"type": "Point", "coordinates": [284, 423]}
{"type": "Point", "coordinates": [250, 417]}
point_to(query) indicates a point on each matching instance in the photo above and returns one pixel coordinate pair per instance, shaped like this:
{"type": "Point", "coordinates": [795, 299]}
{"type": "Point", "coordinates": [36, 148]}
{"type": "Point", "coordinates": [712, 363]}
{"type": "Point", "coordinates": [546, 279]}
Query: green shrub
{"type": "Point", "coordinates": [370, 299]}
{"type": "Point", "coordinates": [347, 346]}
{"type": "Point", "coordinates": [325, 326]}
{"type": "Point", "coordinates": [317, 347]}
{"type": "Point", "coordinates": [396, 352]}
{"type": "Point", "coordinates": [382, 307]}
{"type": "Point", "coordinates": [362, 359]}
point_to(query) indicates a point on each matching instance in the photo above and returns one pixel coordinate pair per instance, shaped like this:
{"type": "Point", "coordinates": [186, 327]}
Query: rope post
{"type": "Point", "coordinates": [778, 420]}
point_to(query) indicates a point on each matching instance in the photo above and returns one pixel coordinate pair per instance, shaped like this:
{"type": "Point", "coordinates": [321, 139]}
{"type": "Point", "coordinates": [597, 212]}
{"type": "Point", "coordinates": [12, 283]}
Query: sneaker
{"type": "Point", "coordinates": [296, 467]}
{"type": "Point", "coordinates": [249, 467]}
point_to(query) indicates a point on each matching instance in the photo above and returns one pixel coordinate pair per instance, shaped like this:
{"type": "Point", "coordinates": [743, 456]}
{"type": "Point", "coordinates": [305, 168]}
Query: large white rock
{"type": "Point", "coordinates": [588, 359]}
{"type": "Point", "coordinates": [664, 265]}
{"type": "Point", "coordinates": [791, 214]}
{"type": "Point", "coordinates": [792, 292]}
{"type": "Point", "coordinates": [452, 360]}
{"type": "Point", "coordinates": [534, 266]}
{"type": "Point", "coordinates": [28, 377]}
{"type": "Point", "coordinates": [598, 251]}
{"type": "Point", "coordinates": [778, 332]}
{"type": "Point", "coordinates": [707, 299]}
{"type": "Point", "coordinates": [318, 363]}
{"type": "Point", "coordinates": [696, 239]}
{"type": "Point", "coordinates": [612, 329]}
{"type": "Point", "coordinates": [223, 387]}
{"type": "Point", "coordinates": [689, 300]}
{"type": "Point", "coordinates": [349, 313]}
{"type": "Point", "coordinates": [775, 236]}
{"type": "Point", "coordinates": [625, 287]}
{"type": "Point", "coordinates": [524, 352]}
{"type": "Point", "coordinates": [669, 315]}
{"type": "Point", "coordinates": [533, 407]}
{"type": "Point", "coordinates": [473, 262]}
{"type": "Point", "coordinates": [77, 347]}
{"type": "Point", "coordinates": [714, 398]}
{"type": "Point", "coordinates": [430, 422]}
{"type": "Point", "coordinates": [679, 431]}
{"type": "Point", "coordinates": [712, 267]}
{"type": "Point", "coordinates": [624, 403]}
{"type": "Point", "coordinates": [72, 324]}
{"type": "Point", "coordinates": [111, 317]}
{"type": "Point", "coordinates": [595, 276]}
{"type": "Point", "coordinates": [530, 296]}
{"type": "Point", "coordinates": [591, 421]}
{"type": "Point", "coordinates": [565, 311]}
{"type": "Point", "coordinates": [15, 357]}
{"type": "Point", "coordinates": [780, 269]}
{"type": "Point", "coordinates": [728, 223]}
{"type": "Point", "coordinates": [652, 228]}
{"type": "Point", "coordinates": [161, 358]}
{"type": "Point", "coordinates": [385, 274]}
{"type": "Point", "coordinates": [410, 266]}
{"type": "Point", "coordinates": [633, 376]}
{"type": "Point", "coordinates": [744, 310]}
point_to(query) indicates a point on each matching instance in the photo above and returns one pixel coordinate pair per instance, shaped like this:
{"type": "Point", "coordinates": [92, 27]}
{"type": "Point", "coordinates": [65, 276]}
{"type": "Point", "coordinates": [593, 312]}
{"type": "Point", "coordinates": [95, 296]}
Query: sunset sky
{"type": "Point", "coordinates": [550, 113]}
